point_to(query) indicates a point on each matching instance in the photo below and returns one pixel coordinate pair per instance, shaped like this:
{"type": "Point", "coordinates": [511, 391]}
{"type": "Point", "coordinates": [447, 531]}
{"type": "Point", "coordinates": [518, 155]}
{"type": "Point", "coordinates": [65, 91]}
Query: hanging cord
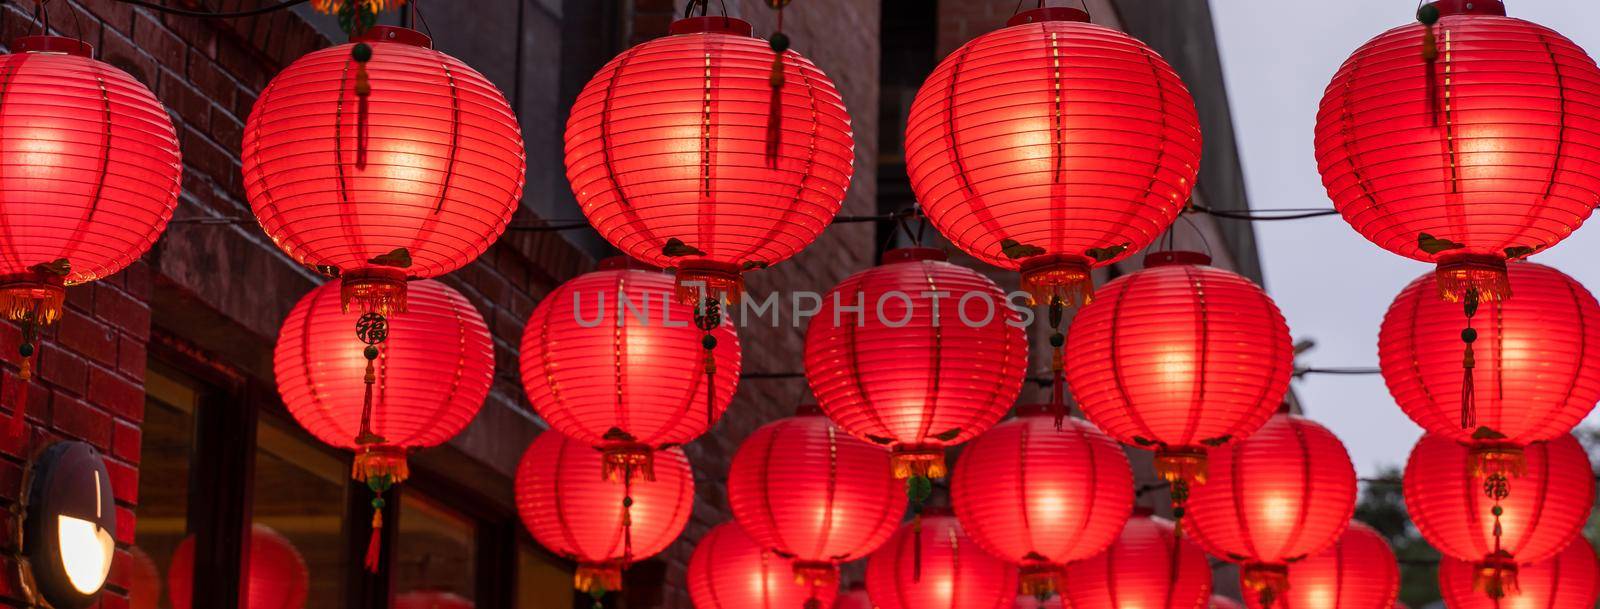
{"type": "Point", "coordinates": [1499, 576]}
{"type": "Point", "coordinates": [361, 53]}
{"type": "Point", "coordinates": [708, 317]}
{"type": "Point", "coordinates": [372, 329]}
{"type": "Point", "coordinates": [28, 349]}
{"type": "Point", "coordinates": [261, 10]}
{"type": "Point", "coordinates": [1469, 407]}
{"type": "Point", "coordinates": [1058, 342]}
{"type": "Point", "coordinates": [918, 490]}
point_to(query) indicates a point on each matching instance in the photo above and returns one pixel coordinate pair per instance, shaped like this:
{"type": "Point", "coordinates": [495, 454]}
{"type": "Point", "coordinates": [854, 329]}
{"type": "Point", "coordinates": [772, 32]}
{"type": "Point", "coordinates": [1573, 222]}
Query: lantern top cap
{"type": "Point", "coordinates": [710, 25]}
{"type": "Point", "coordinates": [52, 44]}
{"type": "Point", "coordinates": [623, 263]}
{"type": "Point", "coordinates": [393, 33]}
{"type": "Point", "coordinates": [808, 410]}
{"type": "Point", "coordinates": [1175, 258]}
{"type": "Point", "coordinates": [914, 254]}
{"type": "Point", "coordinates": [1040, 15]}
{"type": "Point", "coordinates": [1469, 7]}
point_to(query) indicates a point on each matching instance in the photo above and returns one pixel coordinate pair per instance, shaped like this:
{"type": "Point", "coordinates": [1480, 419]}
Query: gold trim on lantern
{"type": "Point", "coordinates": [1461, 273]}
{"type": "Point", "coordinates": [1063, 276]}
{"type": "Point", "coordinates": [1268, 581]}
{"type": "Point", "coordinates": [1496, 575]}
{"type": "Point", "coordinates": [598, 577]}
{"type": "Point", "coordinates": [698, 279]}
{"type": "Point", "coordinates": [820, 574]}
{"type": "Point", "coordinates": [1182, 464]}
{"type": "Point", "coordinates": [1497, 458]}
{"type": "Point", "coordinates": [919, 462]}
{"type": "Point", "coordinates": [378, 460]}
{"type": "Point", "coordinates": [1038, 578]}
{"type": "Point", "coordinates": [626, 458]}
{"type": "Point", "coordinates": [373, 290]}
{"type": "Point", "coordinates": [32, 297]}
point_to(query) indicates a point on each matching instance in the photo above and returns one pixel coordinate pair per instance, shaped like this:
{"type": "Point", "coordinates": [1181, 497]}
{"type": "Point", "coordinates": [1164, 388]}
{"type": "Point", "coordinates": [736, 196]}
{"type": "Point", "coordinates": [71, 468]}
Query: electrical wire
{"type": "Point", "coordinates": [260, 10]}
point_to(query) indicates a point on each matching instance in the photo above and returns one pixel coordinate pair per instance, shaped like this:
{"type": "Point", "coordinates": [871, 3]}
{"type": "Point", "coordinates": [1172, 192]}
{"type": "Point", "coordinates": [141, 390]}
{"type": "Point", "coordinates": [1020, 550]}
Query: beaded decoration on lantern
{"type": "Point", "coordinates": [1181, 358]}
{"type": "Point", "coordinates": [1041, 497]}
{"type": "Point", "coordinates": [730, 571]}
{"type": "Point", "coordinates": [1357, 572]}
{"type": "Point", "coordinates": [1466, 139]}
{"type": "Point", "coordinates": [610, 358]}
{"type": "Point", "coordinates": [1053, 146]}
{"type": "Point", "coordinates": [418, 380]}
{"type": "Point", "coordinates": [811, 492]}
{"type": "Point", "coordinates": [570, 508]}
{"type": "Point", "coordinates": [710, 152]}
{"type": "Point", "coordinates": [1273, 499]}
{"type": "Point", "coordinates": [1569, 579]}
{"type": "Point", "coordinates": [91, 179]}
{"type": "Point", "coordinates": [1498, 524]}
{"type": "Point", "coordinates": [932, 564]}
{"type": "Point", "coordinates": [1531, 370]}
{"type": "Point", "coordinates": [1149, 566]}
{"type": "Point", "coordinates": [275, 573]}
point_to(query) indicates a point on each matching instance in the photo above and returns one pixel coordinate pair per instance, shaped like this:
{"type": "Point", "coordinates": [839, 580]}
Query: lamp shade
{"type": "Point", "coordinates": [1571, 578]}
{"type": "Point", "coordinates": [731, 571]}
{"type": "Point", "coordinates": [275, 574]}
{"type": "Point", "coordinates": [951, 572]}
{"type": "Point", "coordinates": [1357, 572]}
{"type": "Point", "coordinates": [1148, 567]}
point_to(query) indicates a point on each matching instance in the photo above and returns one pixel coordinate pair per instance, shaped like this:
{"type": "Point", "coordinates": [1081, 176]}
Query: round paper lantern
{"type": "Point", "coordinates": [970, 356]}
{"type": "Point", "coordinates": [1219, 601]}
{"type": "Point", "coordinates": [144, 580]}
{"type": "Point", "coordinates": [1041, 497]}
{"type": "Point", "coordinates": [682, 154]}
{"type": "Point", "coordinates": [1464, 140]}
{"type": "Point", "coordinates": [1357, 572]}
{"type": "Point", "coordinates": [1179, 357]}
{"type": "Point", "coordinates": [935, 565]}
{"type": "Point", "coordinates": [805, 489]}
{"type": "Point", "coordinates": [406, 165]}
{"type": "Point", "coordinates": [1497, 526]}
{"type": "Point", "coordinates": [855, 597]}
{"type": "Point", "coordinates": [572, 510]}
{"type": "Point", "coordinates": [275, 573]}
{"type": "Point", "coordinates": [431, 599]}
{"type": "Point", "coordinates": [1148, 567]}
{"type": "Point", "coordinates": [1535, 369]}
{"type": "Point", "coordinates": [731, 571]}
{"type": "Point", "coordinates": [611, 358]}
{"type": "Point", "coordinates": [1284, 493]}
{"type": "Point", "coordinates": [1053, 146]}
{"type": "Point", "coordinates": [1569, 579]}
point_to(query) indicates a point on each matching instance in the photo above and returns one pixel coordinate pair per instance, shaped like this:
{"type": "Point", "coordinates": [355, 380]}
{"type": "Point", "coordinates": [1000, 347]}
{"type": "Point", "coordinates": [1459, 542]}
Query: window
{"type": "Point", "coordinates": [169, 431]}
{"type": "Point", "coordinates": [300, 493]}
{"type": "Point", "coordinates": [541, 582]}
{"type": "Point", "coordinates": [437, 549]}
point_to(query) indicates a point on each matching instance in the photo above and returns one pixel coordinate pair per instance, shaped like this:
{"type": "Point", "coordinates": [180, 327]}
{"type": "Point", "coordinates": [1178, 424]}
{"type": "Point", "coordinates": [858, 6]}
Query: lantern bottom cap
{"type": "Point", "coordinates": [32, 297]}
{"type": "Point", "coordinates": [1060, 277]}
{"type": "Point", "coordinates": [918, 461]}
{"type": "Point", "coordinates": [1039, 578]}
{"type": "Point", "coordinates": [380, 460]}
{"type": "Point", "coordinates": [1181, 464]}
{"type": "Point", "coordinates": [816, 573]}
{"type": "Point", "coordinates": [698, 279]}
{"type": "Point", "coordinates": [1496, 458]}
{"type": "Point", "coordinates": [373, 290]}
{"type": "Point", "coordinates": [1496, 575]}
{"type": "Point", "coordinates": [598, 577]}
{"type": "Point", "coordinates": [624, 458]}
{"type": "Point", "coordinates": [1479, 274]}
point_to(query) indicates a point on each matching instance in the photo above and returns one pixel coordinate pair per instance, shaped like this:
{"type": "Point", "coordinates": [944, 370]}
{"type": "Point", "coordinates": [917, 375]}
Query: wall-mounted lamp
{"type": "Point", "coordinates": [69, 527]}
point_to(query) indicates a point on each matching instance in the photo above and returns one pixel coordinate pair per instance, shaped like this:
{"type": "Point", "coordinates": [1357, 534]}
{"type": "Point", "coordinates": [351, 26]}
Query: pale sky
{"type": "Point", "coordinates": [1332, 284]}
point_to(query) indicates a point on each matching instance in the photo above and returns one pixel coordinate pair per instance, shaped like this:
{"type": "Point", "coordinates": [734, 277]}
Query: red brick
{"type": "Point", "coordinates": [119, 396]}
{"type": "Point", "coordinates": [159, 42]}
{"type": "Point", "coordinates": [121, 574]}
{"type": "Point", "coordinates": [63, 369]}
{"type": "Point", "coordinates": [117, 15]}
{"type": "Point", "coordinates": [210, 79]}
{"type": "Point", "coordinates": [243, 63]}
{"type": "Point", "coordinates": [81, 297]}
{"type": "Point", "coordinates": [11, 475]}
{"type": "Point", "coordinates": [117, 308]}
{"type": "Point", "coordinates": [126, 441]}
{"type": "Point", "coordinates": [131, 358]}
{"type": "Point", "coordinates": [10, 339]}
{"type": "Point", "coordinates": [225, 129]}
{"type": "Point", "coordinates": [110, 600]}
{"type": "Point", "coordinates": [87, 337]}
{"type": "Point", "coordinates": [125, 523]}
{"type": "Point", "coordinates": [121, 52]}
{"type": "Point", "coordinates": [124, 481]}
{"type": "Point", "coordinates": [184, 100]}
{"type": "Point", "coordinates": [136, 281]}
{"type": "Point", "coordinates": [76, 418]}
{"type": "Point", "coordinates": [70, 20]}
{"type": "Point", "coordinates": [199, 34]}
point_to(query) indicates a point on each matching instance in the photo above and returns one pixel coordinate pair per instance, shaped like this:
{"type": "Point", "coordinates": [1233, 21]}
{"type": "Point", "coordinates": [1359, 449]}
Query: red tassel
{"type": "Point", "coordinates": [18, 427]}
{"type": "Point", "coordinates": [780, 45]}
{"type": "Point", "coordinates": [916, 547]}
{"type": "Point", "coordinates": [375, 545]}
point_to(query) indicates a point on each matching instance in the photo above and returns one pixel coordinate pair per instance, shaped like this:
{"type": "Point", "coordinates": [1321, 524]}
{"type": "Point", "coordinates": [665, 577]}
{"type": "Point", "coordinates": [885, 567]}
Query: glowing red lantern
{"type": "Point", "coordinates": [682, 154]}
{"type": "Point", "coordinates": [1436, 147]}
{"type": "Point", "coordinates": [1534, 371]}
{"type": "Point", "coordinates": [1053, 146]}
{"type": "Point", "coordinates": [431, 599]}
{"type": "Point", "coordinates": [935, 565]}
{"type": "Point", "coordinates": [1219, 601]}
{"type": "Point", "coordinates": [1148, 567]}
{"type": "Point", "coordinates": [405, 165]}
{"type": "Point", "coordinates": [1179, 357]}
{"type": "Point", "coordinates": [1357, 572]}
{"type": "Point", "coordinates": [275, 573]}
{"type": "Point", "coordinates": [1274, 498]}
{"type": "Point", "coordinates": [1041, 497]}
{"type": "Point", "coordinates": [854, 598]}
{"type": "Point", "coordinates": [610, 359]}
{"type": "Point", "coordinates": [971, 356]}
{"type": "Point", "coordinates": [1569, 579]}
{"type": "Point", "coordinates": [1497, 524]}
{"type": "Point", "coordinates": [803, 488]}
{"type": "Point", "coordinates": [731, 571]}
{"type": "Point", "coordinates": [570, 508]}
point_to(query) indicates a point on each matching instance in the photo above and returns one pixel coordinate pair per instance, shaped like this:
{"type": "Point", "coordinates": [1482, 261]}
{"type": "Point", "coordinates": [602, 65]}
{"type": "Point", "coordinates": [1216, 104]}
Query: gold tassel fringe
{"type": "Point", "coordinates": [1046, 278]}
{"type": "Point", "coordinates": [1496, 576]}
{"type": "Point", "coordinates": [1457, 275]}
{"type": "Point", "coordinates": [920, 462]}
{"type": "Point", "coordinates": [601, 577]}
{"type": "Point", "coordinates": [378, 460]}
{"type": "Point", "coordinates": [373, 290]}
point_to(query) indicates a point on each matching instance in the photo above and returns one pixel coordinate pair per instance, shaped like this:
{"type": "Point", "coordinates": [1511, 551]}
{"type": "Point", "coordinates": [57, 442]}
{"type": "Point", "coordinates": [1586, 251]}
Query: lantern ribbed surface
{"type": "Point", "coordinates": [575, 512]}
{"type": "Point", "coordinates": [809, 490]}
{"type": "Point", "coordinates": [1487, 151]}
{"type": "Point", "coordinates": [1545, 510]}
{"type": "Point", "coordinates": [1357, 572]}
{"type": "Point", "coordinates": [1284, 493]}
{"type": "Point", "coordinates": [1053, 140]}
{"type": "Point", "coordinates": [614, 349]}
{"type": "Point", "coordinates": [731, 571]}
{"type": "Point", "coordinates": [1569, 580]}
{"type": "Point", "coordinates": [1148, 567]}
{"type": "Point", "coordinates": [432, 374]}
{"type": "Point", "coordinates": [1041, 497]}
{"type": "Point", "coordinates": [667, 144]}
{"type": "Point", "coordinates": [888, 373]}
{"type": "Point", "coordinates": [431, 599]}
{"type": "Point", "coordinates": [91, 163]}
{"type": "Point", "coordinates": [1536, 358]}
{"type": "Point", "coordinates": [955, 572]}
{"type": "Point", "coordinates": [1219, 601]}
{"type": "Point", "coordinates": [441, 172]}
{"type": "Point", "coordinates": [275, 573]}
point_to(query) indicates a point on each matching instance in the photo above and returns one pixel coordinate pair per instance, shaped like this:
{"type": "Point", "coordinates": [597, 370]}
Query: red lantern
{"type": "Point", "coordinates": [1219, 601]}
{"type": "Point", "coordinates": [1357, 572]}
{"type": "Point", "coordinates": [1280, 495]}
{"type": "Point", "coordinates": [935, 565]}
{"type": "Point", "coordinates": [405, 165]}
{"type": "Point", "coordinates": [968, 368]}
{"type": "Point", "coordinates": [1569, 579]}
{"type": "Point", "coordinates": [610, 359]}
{"type": "Point", "coordinates": [1181, 358]}
{"type": "Point", "coordinates": [683, 154]}
{"type": "Point", "coordinates": [1148, 567]}
{"type": "Point", "coordinates": [854, 598]}
{"type": "Point", "coordinates": [1534, 372]}
{"type": "Point", "coordinates": [1041, 497]}
{"type": "Point", "coordinates": [144, 580]}
{"type": "Point", "coordinates": [804, 489]}
{"type": "Point", "coordinates": [570, 508]}
{"type": "Point", "coordinates": [1463, 141]}
{"type": "Point", "coordinates": [1025, 601]}
{"type": "Point", "coordinates": [1500, 523]}
{"type": "Point", "coordinates": [1053, 146]}
{"type": "Point", "coordinates": [431, 599]}
{"type": "Point", "coordinates": [275, 573]}
{"type": "Point", "coordinates": [731, 571]}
